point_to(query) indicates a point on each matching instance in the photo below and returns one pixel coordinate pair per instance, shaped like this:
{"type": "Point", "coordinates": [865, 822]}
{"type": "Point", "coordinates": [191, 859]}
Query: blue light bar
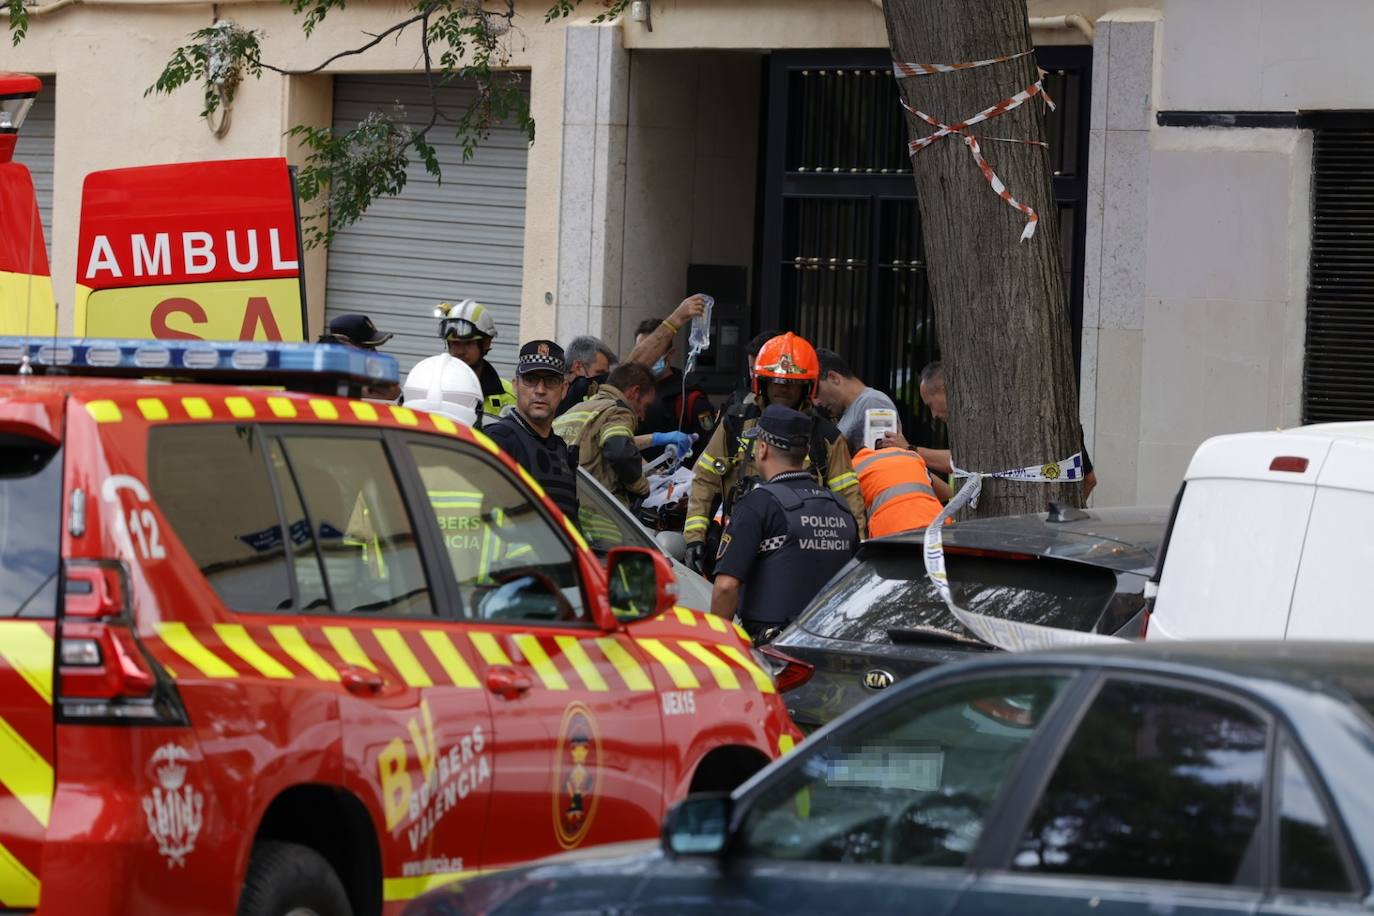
{"type": "Point", "coordinates": [306, 366]}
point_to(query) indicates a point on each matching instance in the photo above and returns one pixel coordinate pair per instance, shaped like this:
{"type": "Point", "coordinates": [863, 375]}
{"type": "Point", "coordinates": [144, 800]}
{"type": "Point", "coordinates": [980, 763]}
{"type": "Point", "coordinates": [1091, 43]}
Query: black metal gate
{"type": "Point", "coordinates": [842, 259]}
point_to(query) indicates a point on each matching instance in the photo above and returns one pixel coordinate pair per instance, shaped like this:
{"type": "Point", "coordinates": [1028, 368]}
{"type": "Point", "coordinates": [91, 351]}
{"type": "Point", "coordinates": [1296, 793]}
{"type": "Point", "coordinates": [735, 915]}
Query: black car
{"type": "Point", "coordinates": [880, 620]}
{"type": "Point", "coordinates": [1139, 779]}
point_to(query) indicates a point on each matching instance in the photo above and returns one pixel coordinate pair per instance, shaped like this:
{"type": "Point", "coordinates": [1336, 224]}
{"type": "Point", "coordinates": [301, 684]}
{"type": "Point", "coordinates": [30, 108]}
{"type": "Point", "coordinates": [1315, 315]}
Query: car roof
{"type": "Point", "coordinates": [1122, 539]}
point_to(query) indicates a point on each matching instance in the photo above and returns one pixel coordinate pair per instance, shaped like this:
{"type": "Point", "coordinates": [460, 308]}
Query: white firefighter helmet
{"type": "Point", "coordinates": [444, 385]}
{"type": "Point", "coordinates": [465, 320]}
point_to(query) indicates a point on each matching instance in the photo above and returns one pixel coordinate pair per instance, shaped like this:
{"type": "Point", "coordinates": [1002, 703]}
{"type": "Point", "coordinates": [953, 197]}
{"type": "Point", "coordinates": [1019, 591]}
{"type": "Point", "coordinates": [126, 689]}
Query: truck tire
{"type": "Point", "coordinates": [287, 879]}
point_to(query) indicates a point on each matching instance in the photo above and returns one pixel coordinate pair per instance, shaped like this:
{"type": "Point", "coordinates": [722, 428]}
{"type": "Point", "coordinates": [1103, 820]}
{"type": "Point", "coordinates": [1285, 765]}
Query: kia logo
{"type": "Point", "coordinates": [878, 679]}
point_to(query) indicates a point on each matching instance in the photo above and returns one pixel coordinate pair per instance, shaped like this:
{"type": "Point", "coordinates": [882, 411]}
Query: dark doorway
{"type": "Point", "coordinates": [841, 257]}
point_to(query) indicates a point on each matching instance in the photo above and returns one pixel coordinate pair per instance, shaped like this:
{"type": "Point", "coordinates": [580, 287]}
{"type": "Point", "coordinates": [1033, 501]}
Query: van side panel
{"type": "Point", "coordinates": [1331, 598]}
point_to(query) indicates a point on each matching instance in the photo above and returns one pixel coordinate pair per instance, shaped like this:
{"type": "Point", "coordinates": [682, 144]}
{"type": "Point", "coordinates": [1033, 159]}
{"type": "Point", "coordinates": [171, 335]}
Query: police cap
{"type": "Point", "coordinates": [781, 427]}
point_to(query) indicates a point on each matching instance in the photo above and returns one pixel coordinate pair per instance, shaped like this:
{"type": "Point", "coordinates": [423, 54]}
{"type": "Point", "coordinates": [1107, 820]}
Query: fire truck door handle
{"type": "Point", "coordinates": [360, 681]}
{"type": "Point", "coordinates": [507, 682]}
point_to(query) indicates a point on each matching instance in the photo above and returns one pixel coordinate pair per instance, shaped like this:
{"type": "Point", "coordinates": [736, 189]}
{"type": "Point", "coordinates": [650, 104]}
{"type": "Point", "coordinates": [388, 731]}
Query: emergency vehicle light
{"type": "Point", "coordinates": [329, 368]}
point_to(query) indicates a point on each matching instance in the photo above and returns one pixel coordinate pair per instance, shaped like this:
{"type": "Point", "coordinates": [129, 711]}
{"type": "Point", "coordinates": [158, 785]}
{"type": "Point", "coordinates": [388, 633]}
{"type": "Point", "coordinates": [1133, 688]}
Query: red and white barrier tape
{"type": "Point", "coordinates": [942, 130]}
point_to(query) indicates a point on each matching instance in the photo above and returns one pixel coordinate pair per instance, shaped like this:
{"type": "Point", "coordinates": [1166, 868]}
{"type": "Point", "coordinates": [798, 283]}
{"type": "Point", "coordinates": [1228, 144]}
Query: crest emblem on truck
{"type": "Point", "coordinates": [576, 776]}
{"type": "Point", "coordinates": [174, 808]}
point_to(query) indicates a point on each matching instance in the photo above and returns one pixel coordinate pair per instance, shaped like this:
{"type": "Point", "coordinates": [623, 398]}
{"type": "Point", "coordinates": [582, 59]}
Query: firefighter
{"type": "Point", "coordinates": [468, 329]}
{"type": "Point", "coordinates": [785, 372]}
{"type": "Point", "coordinates": [786, 537]}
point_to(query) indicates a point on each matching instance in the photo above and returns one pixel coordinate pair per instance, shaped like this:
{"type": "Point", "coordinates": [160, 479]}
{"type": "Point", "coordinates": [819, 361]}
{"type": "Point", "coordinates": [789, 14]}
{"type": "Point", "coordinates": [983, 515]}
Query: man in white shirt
{"type": "Point", "coordinates": [845, 397]}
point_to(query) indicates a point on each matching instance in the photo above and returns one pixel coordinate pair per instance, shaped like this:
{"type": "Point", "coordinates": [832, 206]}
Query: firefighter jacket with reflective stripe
{"type": "Point", "coordinates": [896, 489]}
{"type": "Point", "coordinates": [497, 393]}
{"type": "Point", "coordinates": [602, 430]}
{"type": "Point", "coordinates": [727, 460]}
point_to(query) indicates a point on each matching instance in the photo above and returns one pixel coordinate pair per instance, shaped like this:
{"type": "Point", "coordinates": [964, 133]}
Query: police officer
{"type": "Point", "coordinates": [468, 329]}
{"type": "Point", "coordinates": [526, 433]}
{"type": "Point", "coordinates": [786, 537]}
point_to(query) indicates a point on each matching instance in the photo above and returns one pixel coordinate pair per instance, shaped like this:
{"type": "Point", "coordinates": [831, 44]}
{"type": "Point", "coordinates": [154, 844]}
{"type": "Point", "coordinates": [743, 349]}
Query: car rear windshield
{"type": "Point", "coordinates": [30, 526]}
{"type": "Point", "coordinates": [882, 597]}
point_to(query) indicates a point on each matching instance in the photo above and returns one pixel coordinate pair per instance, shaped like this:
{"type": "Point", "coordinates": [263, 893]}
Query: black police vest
{"type": "Point", "coordinates": [821, 537]}
{"type": "Point", "coordinates": [549, 461]}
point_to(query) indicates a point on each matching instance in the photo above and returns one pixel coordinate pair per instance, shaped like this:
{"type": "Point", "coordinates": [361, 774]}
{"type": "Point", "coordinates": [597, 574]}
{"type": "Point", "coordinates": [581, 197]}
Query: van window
{"type": "Point", "coordinates": [30, 526]}
{"type": "Point", "coordinates": [1328, 602]}
{"type": "Point", "coordinates": [212, 486]}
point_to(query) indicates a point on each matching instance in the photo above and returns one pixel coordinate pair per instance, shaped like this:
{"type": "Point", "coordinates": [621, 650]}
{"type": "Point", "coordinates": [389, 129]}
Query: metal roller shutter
{"type": "Point", "coordinates": [35, 150]}
{"type": "Point", "coordinates": [460, 239]}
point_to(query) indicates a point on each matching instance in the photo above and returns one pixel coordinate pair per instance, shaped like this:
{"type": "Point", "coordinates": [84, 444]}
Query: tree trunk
{"type": "Point", "coordinates": [1001, 305]}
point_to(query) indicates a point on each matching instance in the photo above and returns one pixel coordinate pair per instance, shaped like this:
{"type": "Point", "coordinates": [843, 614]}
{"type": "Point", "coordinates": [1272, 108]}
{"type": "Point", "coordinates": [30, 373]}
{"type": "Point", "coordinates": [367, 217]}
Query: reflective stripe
{"type": "Point", "coordinates": [281, 407]}
{"type": "Point", "coordinates": [574, 533]}
{"type": "Point", "coordinates": [885, 454]}
{"type": "Point", "coordinates": [240, 408]}
{"type": "Point", "coordinates": [324, 410]}
{"type": "Point", "coordinates": [197, 408]}
{"type": "Point", "coordinates": [407, 665]}
{"type": "Point", "coordinates": [707, 463]}
{"type": "Point", "coordinates": [900, 489]}
{"type": "Point", "coordinates": [539, 660]}
{"type": "Point", "coordinates": [842, 481]}
{"type": "Point", "coordinates": [489, 649]}
{"type": "Point", "coordinates": [395, 890]}
{"type": "Point", "coordinates": [180, 640]}
{"type": "Point", "coordinates": [294, 644]}
{"type": "Point", "coordinates": [725, 678]}
{"type": "Point", "coordinates": [785, 744]}
{"type": "Point", "coordinates": [610, 432]}
{"type": "Point", "coordinates": [104, 411]}
{"type": "Point", "coordinates": [624, 663]}
{"type": "Point", "coordinates": [346, 645]}
{"type": "Point", "coordinates": [152, 409]}
{"type": "Point", "coordinates": [678, 670]}
{"type": "Point", "coordinates": [405, 416]}
{"type": "Point", "coordinates": [696, 523]}
{"type": "Point", "coordinates": [241, 644]}
{"type": "Point", "coordinates": [581, 663]}
{"type": "Point", "coordinates": [685, 616]}
{"type": "Point", "coordinates": [19, 887]}
{"type": "Point", "coordinates": [443, 423]}
{"type": "Point", "coordinates": [761, 678]}
{"type": "Point", "coordinates": [717, 623]}
{"type": "Point", "coordinates": [25, 773]}
{"type": "Point", "coordinates": [484, 440]}
{"type": "Point", "coordinates": [363, 411]}
{"type": "Point", "coordinates": [28, 649]}
{"type": "Point", "coordinates": [449, 658]}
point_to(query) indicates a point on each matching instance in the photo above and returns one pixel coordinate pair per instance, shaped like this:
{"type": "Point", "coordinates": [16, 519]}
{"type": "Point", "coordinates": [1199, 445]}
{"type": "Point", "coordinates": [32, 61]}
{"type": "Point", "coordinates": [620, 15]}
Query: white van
{"type": "Point", "coordinates": [1272, 538]}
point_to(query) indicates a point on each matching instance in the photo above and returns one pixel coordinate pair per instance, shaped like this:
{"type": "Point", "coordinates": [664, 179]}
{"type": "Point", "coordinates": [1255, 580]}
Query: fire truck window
{"type": "Point", "coordinates": [510, 562]}
{"type": "Point", "coordinates": [311, 594]}
{"type": "Point", "coordinates": [371, 558]}
{"type": "Point", "coordinates": [237, 542]}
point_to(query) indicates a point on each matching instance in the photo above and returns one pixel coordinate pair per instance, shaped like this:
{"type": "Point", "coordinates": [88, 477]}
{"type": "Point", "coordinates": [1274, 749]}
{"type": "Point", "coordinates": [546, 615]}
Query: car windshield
{"type": "Point", "coordinates": [888, 596]}
{"type": "Point", "coordinates": [30, 527]}
{"type": "Point", "coordinates": [605, 523]}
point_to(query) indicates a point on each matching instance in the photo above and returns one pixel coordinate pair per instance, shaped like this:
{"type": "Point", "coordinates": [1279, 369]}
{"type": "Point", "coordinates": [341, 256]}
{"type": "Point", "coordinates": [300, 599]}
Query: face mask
{"type": "Point", "coordinates": [661, 366]}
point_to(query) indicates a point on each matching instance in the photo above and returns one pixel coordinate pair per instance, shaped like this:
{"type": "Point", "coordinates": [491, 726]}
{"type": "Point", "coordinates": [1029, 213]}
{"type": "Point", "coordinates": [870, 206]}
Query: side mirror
{"type": "Point", "coordinates": [699, 825]}
{"type": "Point", "coordinates": [642, 583]}
{"type": "Point", "coordinates": [673, 544]}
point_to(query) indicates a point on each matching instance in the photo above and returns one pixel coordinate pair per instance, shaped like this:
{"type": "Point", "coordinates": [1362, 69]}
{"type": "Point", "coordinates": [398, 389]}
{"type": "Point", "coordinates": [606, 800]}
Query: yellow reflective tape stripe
{"type": "Point", "coordinates": [842, 482]}
{"type": "Point", "coordinates": [346, 645]}
{"type": "Point", "coordinates": [534, 484]}
{"type": "Point", "coordinates": [18, 886]}
{"type": "Point", "coordinates": [611, 432]}
{"type": "Point", "coordinates": [576, 535]}
{"type": "Point", "coordinates": [697, 523]}
{"type": "Point", "coordinates": [104, 411]}
{"type": "Point", "coordinates": [717, 623]}
{"type": "Point", "coordinates": [539, 660]}
{"type": "Point", "coordinates": [240, 407]}
{"type": "Point", "coordinates": [405, 416]}
{"type": "Point", "coordinates": [484, 440]}
{"type": "Point", "coordinates": [624, 664]}
{"type": "Point", "coordinates": [743, 634]}
{"type": "Point", "coordinates": [241, 644]}
{"type": "Point", "coordinates": [294, 644]}
{"type": "Point", "coordinates": [363, 411]}
{"type": "Point", "coordinates": [761, 678]}
{"type": "Point", "coordinates": [490, 650]}
{"type": "Point", "coordinates": [152, 409]}
{"type": "Point", "coordinates": [28, 649]}
{"type": "Point", "coordinates": [395, 890]}
{"type": "Point", "coordinates": [786, 743]}
{"type": "Point", "coordinates": [181, 641]}
{"type": "Point", "coordinates": [443, 423]}
{"type": "Point", "coordinates": [581, 663]}
{"type": "Point", "coordinates": [25, 773]}
{"type": "Point", "coordinates": [281, 407]}
{"type": "Point", "coordinates": [449, 658]}
{"type": "Point", "coordinates": [325, 410]}
{"type": "Point", "coordinates": [725, 678]}
{"type": "Point", "coordinates": [685, 616]}
{"type": "Point", "coordinates": [197, 408]}
{"type": "Point", "coordinates": [407, 665]}
{"type": "Point", "coordinates": [679, 671]}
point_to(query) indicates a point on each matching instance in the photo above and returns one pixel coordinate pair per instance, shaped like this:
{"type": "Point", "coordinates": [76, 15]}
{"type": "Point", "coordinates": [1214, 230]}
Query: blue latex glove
{"type": "Point", "coordinates": [681, 441]}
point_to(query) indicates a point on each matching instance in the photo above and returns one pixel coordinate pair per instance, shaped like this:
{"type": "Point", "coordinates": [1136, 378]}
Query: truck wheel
{"type": "Point", "coordinates": [287, 879]}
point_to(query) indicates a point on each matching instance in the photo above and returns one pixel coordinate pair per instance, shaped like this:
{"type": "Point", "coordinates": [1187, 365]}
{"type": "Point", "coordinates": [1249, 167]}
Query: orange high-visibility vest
{"type": "Point", "coordinates": [896, 489]}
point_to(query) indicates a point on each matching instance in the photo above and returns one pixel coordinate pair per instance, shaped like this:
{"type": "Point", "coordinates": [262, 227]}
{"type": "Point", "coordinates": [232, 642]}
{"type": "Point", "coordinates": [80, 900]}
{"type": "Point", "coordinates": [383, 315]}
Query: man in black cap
{"type": "Point", "coordinates": [354, 331]}
{"type": "Point", "coordinates": [527, 433]}
{"type": "Point", "coordinates": [786, 537]}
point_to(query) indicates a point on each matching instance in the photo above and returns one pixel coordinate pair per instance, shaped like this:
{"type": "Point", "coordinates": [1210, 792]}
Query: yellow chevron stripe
{"type": "Point", "coordinates": [679, 671]}
{"type": "Point", "coordinates": [761, 678]}
{"type": "Point", "coordinates": [484, 440]}
{"type": "Point", "coordinates": [534, 484]}
{"type": "Point", "coordinates": [346, 645]}
{"type": "Point", "coordinates": [18, 886]}
{"type": "Point", "coordinates": [197, 408]}
{"type": "Point", "coordinates": [448, 656]}
{"type": "Point", "coordinates": [717, 623]}
{"type": "Point", "coordinates": [104, 411]}
{"type": "Point", "coordinates": [363, 411]}
{"type": "Point", "coordinates": [152, 409]}
{"type": "Point", "coordinates": [743, 634]}
{"type": "Point", "coordinates": [240, 408]}
{"type": "Point", "coordinates": [181, 641]}
{"type": "Point", "coordinates": [490, 650]}
{"type": "Point", "coordinates": [27, 648]}
{"type": "Point", "coordinates": [581, 663]}
{"type": "Point", "coordinates": [539, 660]}
{"type": "Point", "coordinates": [281, 407]}
{"type": "Point", "coordinates": [25, 773]}
{"type": "Point", "coordinates": [443, 423]}
{"type": "Point", "coordinates": [576, 535]}
{"type": "Point", "coordinates": [294, 644]}
{"type": "Point", "coordinates": [785, 744]}
{"type": "Point", "coordinates": [407, 665]}
{"type": "Point", "coordinates": [405, 416]}
{"type": "Point", "coordinates": [685, 616]}
{"type": "Point", "coordinates": [241, 644]}
{"type": "Point", "coordinates": [395, 890]}
{"type": "Point", "coordinates": [725, 678]}
{"type": "Point", "coordinates": [624, 664]}
{"type": "Point", "coordinates": [324, 410]}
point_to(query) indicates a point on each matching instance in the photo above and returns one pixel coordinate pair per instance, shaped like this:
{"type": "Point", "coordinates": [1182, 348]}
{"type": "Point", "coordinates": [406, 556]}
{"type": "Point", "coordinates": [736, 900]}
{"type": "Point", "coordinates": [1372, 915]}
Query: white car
{"type": "Point", "coordinates": [1271, 538]}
